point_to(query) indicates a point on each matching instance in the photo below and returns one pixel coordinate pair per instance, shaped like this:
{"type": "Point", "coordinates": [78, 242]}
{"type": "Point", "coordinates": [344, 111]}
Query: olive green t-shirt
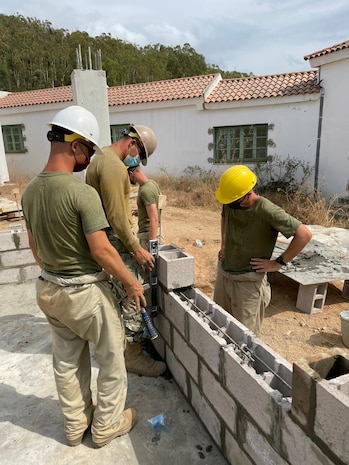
{"type": "Point", "coordinates": [59, 210]}
{"type": "Point", "coordinates": [148, 194]}
{"type": "Point", "coordinates": [252, 233]}
{"type": "Point", "coordinates": [109, 176]}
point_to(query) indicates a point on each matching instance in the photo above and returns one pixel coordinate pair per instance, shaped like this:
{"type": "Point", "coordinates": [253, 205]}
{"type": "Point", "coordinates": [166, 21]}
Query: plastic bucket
{"type": "Point", "coordinates": [345, 327]}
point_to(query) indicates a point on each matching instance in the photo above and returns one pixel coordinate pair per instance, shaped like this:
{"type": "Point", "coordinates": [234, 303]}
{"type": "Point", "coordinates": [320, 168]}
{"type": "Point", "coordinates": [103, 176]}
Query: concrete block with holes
{"type": "Point", "coordinates": [311, 297]}
{"type": "Point", "coordinates": [175, 267]}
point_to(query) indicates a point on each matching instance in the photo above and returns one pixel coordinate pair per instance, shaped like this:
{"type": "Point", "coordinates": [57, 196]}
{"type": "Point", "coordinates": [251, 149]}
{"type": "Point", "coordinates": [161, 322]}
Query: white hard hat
{"type": "Point", "coordinates": [79, 121]}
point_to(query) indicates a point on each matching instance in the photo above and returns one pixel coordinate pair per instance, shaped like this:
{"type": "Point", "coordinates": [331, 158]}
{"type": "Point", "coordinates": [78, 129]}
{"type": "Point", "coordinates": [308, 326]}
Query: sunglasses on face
{"type": "Point", "coordinates": [90, 148]}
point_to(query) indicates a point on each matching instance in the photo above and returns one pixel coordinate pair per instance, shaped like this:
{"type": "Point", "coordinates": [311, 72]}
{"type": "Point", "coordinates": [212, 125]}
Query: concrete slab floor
{"type": "Point", "coordinates": [31, 423]}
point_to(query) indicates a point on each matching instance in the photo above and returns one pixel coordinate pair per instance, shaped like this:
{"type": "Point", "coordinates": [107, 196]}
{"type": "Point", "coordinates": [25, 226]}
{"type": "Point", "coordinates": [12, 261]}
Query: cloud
{"type": "Point", "coordinates": [259, 36]}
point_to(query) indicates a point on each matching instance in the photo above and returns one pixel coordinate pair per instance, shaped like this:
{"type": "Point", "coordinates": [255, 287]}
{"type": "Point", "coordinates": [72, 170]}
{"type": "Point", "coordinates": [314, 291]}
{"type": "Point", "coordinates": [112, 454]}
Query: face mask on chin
{"type": "Point", "coordinates": [236, 205]}
{"type": "Point", "coordinates": [132, 162]}
{"type": "Point", "coordinates": [80, 167]}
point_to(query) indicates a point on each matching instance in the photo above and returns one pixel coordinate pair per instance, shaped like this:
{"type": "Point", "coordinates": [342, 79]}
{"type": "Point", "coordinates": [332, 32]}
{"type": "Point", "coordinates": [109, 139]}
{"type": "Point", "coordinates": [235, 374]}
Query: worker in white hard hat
{"type": "Point", "coordinates": [249, 228]}
{"type": "Point", "coordinates": [108, 174]}
{"type": "Point", "coordinates": [66, 230]}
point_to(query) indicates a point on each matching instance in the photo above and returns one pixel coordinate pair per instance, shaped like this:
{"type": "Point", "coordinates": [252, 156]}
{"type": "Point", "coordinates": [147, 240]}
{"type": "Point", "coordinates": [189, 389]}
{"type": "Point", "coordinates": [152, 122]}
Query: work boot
{"type": "Point", "coordinates": [127, 423]}
{"type": "Point", "coordinates": [138, 362]}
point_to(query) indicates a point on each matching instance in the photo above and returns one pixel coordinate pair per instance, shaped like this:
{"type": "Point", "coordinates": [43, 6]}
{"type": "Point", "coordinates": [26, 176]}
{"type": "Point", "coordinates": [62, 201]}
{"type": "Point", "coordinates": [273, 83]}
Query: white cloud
{"type": "Point", "coordinates": [259, 36]}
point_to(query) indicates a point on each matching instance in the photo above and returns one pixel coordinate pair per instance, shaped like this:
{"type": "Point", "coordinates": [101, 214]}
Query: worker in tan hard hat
{"type": "Point", "coordinates": [249, 228]}
{"type": "Point", "coordinates": [66, 231]}
{"type": "Point", "coordinates": [108, 174]}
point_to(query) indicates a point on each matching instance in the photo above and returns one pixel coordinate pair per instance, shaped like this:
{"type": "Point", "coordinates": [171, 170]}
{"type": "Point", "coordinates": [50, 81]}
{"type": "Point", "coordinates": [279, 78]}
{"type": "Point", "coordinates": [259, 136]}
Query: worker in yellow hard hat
{"type": "Point", "coordinates": [249, 228]}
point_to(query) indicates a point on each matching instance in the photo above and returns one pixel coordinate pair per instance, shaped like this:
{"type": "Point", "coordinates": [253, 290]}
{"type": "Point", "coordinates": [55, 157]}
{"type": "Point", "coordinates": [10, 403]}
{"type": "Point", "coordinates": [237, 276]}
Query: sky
{"type": "Point", "coordinates": [251, 36]}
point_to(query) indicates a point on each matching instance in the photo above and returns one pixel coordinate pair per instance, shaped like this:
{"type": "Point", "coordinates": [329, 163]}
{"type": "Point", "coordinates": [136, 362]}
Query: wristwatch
{"type": "Point", "coordinates": [280, 260]}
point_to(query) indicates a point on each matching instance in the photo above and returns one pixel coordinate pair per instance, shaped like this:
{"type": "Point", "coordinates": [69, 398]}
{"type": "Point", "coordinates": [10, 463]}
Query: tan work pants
{"type": "Point", "coordinates": [79, 314]}
{"type": "Point", "coordinates": [245, 296]}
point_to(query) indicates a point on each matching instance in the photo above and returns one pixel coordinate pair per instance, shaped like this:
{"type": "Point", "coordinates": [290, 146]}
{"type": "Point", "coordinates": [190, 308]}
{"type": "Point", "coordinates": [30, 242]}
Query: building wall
{"type": "Point", "coordinates": [183, 129]}
{"type": "Point", "coordinates": [334, 153]}
{"type": "Point", "coordinates": [184, 136]}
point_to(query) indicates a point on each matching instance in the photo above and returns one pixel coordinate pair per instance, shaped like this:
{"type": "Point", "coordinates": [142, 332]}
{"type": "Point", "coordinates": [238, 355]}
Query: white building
{"type": "Point", "coordinates": [210, 122]}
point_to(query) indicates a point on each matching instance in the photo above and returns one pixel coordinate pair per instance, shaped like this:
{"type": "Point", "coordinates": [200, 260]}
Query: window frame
{"type": "Point", "coordinates": [13, 138]}
{"type": "Point", "coordinates": [116, 131]}
{"type": "Point", "coordinates": [247, 143]}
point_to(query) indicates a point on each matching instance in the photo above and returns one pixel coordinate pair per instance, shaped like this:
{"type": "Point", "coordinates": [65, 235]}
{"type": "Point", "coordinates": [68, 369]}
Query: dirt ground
{"type": "Point", "coordinates": [290, 332]}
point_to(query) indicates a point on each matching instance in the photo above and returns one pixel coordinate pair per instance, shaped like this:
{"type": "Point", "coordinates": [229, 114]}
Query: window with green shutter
{"type": "Point", "coordinates": [241, 144]}
{"type": "Point", "coordinates": [13, 138]}
{"type": "Point", "coordinates": [116, 131]}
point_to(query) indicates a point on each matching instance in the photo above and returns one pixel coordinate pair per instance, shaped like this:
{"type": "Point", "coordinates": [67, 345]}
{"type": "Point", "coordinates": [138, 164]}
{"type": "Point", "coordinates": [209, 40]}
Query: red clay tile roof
{"type": "Point", "coordinates": [277, 85]}
{"type": "Point", "coordinates": [159, 91]}
{"type": "Point", "coordinates": [256, 87]}
{"type": "Point", "coordinates": [37, 97]}
{"type": "Point", "coordinates": [328, 50]}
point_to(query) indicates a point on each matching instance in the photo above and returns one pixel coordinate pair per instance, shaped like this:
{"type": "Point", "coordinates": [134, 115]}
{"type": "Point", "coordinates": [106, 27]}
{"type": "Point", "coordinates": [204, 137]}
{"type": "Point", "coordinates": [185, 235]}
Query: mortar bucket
{"type": "Point", "coordinates": [345, 327]}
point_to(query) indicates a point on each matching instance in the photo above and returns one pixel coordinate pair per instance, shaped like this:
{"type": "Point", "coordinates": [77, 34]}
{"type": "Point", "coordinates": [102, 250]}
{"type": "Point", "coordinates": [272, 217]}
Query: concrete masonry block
{"type": "Point", "coordinates": [307, 373]}
{"type": "Point", "coordinates": [266, 360]}
{"type": "Point", "coordinates": [341, 383]}
{"type": "Point", "coordinates": [15, 258]}
{"type": "Point", "coordinates": [331, 423]}
{"type": "Point", "coordinates": [13, 240]}
{"type": "Point", "coordinates": [311, 297]}
{"type": "Point", "coordinates": [175, 310]}
{"type": "Point", "coordinates": [175, 268]}
{"type": "Point", "coordinates": [29, 272]}
{"type": "Point", "coordinates": [297, 446]}
{"type": "Point", "coordinates": [207, 416]}
{"type": "Point", "coordinates": [259, 449]}
{"type": "Point", "coordinates": [163, 327]}
{"type": "Point", "coordinates": [185, 354]}
{"type": "Point", "coordinates": [234, 453]}
{"type": "Point", "coordinates": [218, 397]}
{"type": "Point", "coordinates": [249, 389]}
{"type": "Point", "coordinates": [204, 341]}
{"type": "Point", "coordinates": [200, 300]}
{"type": "Point", "coordinates": [10, 275]}
{"type": "Point", "coordinates": [178, 372]}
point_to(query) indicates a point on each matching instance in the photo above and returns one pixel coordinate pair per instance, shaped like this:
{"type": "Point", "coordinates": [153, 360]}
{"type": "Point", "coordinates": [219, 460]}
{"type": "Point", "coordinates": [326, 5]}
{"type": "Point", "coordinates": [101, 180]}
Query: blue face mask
{"type": "Point", "coordinates": [132, 162]}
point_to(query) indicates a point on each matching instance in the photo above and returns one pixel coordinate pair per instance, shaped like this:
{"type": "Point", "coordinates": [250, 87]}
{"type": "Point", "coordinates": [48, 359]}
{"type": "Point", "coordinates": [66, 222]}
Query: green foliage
{"type": "Point", "coordinates": [288, 175]}
{"type": "Point", "coordinates": [34, 55]}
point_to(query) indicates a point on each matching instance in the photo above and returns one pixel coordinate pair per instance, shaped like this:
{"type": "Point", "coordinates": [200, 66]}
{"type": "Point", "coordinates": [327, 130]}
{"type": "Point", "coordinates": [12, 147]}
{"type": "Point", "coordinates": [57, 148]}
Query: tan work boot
{"type": "Point", "coordinates": [129, 420]}
{"type": "Point", "coordinates": [137, 361]}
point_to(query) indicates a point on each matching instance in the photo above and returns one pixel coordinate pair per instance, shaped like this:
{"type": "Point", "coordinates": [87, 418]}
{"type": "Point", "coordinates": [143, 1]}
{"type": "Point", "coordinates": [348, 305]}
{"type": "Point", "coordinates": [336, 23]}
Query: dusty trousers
{"type": "Point", "coordinates": [79, 315]}
{"type": "Point", "coordinates": [132, 318]}
{"type": "Point", "coordinates": [245, 296]}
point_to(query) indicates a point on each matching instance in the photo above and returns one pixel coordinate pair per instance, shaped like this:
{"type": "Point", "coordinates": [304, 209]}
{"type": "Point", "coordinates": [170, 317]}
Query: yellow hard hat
{"type": "Point", "coordinates": [234, 183]}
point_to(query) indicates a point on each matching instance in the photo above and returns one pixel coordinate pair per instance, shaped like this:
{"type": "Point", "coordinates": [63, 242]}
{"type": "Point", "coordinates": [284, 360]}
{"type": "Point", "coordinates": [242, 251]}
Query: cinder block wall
{"type": "Point", "coordinates": [258, 409]}
{"type": "Point", "coordinates": [17, 263]}
{"type": "Point", "coordinates": [242, 390]}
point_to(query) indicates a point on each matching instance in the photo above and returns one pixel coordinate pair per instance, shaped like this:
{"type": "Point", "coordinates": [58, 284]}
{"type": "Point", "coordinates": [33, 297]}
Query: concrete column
{"type": "Point", "coordinates": [89, 89]}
